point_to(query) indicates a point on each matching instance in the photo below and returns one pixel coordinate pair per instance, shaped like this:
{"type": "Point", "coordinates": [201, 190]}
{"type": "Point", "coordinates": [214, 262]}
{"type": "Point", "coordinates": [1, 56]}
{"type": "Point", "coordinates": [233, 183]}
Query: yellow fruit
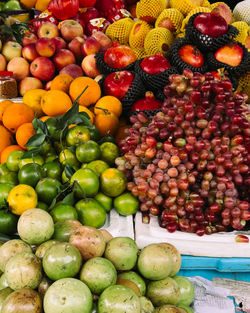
{"type": "Point", "coordinates": [140, 53]}
{"type": "Point", "coordinates": [86, 110]}
{"type": "Point", "coordinates": [41, 5]}
{"type": "Point", "coordinates": [55, 102]}
{"type": "Point", "coordinates": [158, 39]}
{"type": "Point", "coordinates": [244, 31]}
{"type": "Point", "coordinates": [138, 34]}
{"type": "Point", "coordinates": [120, 30]}
{"type": "Point", "coordinates": [184, 6]}
{"type": "Point", "coordinates": [174, 15]}
{"type": "Point", "coordinates": [61, 82]}
{"type": "Point", "coordinates": [32, 98]}
{"type": "Point", "coordinates": [28, 4]}
{"type": "Point", "coordinates": [22, 198]}
{"type": "Point", "coordinates": [108, 104]}
{"type": "Point", "coordinates": [149, 10]}
{"type": "Point", "coordinates": [192, 12]}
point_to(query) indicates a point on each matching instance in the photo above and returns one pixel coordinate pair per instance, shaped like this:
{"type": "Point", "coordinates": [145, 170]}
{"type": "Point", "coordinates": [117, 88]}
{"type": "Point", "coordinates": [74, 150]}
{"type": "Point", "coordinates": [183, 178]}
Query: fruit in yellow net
{"type": "Point", "coordinates": [6, 138]}
{"type": "Point", "coordinates": [170, 19]}
{"type": "Point", "coordinates": [158, 39]}
{"type": "Point", "coordinates": [244, 31]}
{"type": "Point", "coordinates": [107, 123]}
{"type": "Point", "coordinates": [192, 12]}
{"type": "Point", "coordinates": [22, 198]}
{"type": "Point", "coordinates": [185, 6]}
{"type": "Point", "coordinates": [33, 99]}
{"type": "Point", "coordinates": [140, 53]}
{"type": "Point", "coordinates": [149, 10]}
{"type": "Point", "coordinates": [55, 102]}
{"type": "Point", "coordinates": [138, 34]}
{"type": "Point", "coordinates": [61, 82]}
{"type": "Point", "coordinates": [23, 134]}
{"type": "Point", "coordinates": [244, 84]}
{"type": "Point", "coordinates": [16, 114]}
{"type": "Point", "coordinates": [120, 30]}
{"type": "Point", "coordinates": [108, 104]}
{"type": "Point", "coordinates": [91, 94]}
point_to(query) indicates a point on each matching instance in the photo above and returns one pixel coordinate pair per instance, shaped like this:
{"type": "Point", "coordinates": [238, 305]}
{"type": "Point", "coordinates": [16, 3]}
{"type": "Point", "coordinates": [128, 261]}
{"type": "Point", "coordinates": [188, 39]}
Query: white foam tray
{"type": "Point", "coordinates": [119, 226]}
{"type": "Point", "coordinates": [215, 245]}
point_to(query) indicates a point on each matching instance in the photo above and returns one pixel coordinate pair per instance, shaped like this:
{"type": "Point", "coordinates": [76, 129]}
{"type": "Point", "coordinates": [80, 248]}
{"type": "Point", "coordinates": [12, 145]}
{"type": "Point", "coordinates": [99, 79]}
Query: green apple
{"type": "Point", "coordinates": [12, 5]}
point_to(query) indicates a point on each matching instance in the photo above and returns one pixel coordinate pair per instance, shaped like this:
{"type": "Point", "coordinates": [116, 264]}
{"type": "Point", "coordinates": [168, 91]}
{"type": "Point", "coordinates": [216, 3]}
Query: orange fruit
{"type": "Point", "coordinates": [107, 123]}
{"type": "Point", "coordinates": [6, 138]}
{"type": "Point", "coordinates": [61, 82]}
{"type": "Point", "coordinates": [41, 5]}
{"type": "Point", "coordinates": [86, 110]}
{"type": "Point", "coordinates": [55, 102]}
{"type": "Point", "coordinates": [23, 134]}
{"type": "Point", "coordinates": [33, 99]}
{"type": "Point", "coordinates": [5, 153]}
{"type": "Point", "coordinates": [44, 118]}
{"type": "Point", "coordinates": [28, 4]}
{"type": "Point", "coordinates": [91, 94]}
{"type": "Point", "coordinates": [108, 104]}
{"type": "Point", "coordinates": [16, 114]}
{"type": "Point", "coordinates": [3, 106]}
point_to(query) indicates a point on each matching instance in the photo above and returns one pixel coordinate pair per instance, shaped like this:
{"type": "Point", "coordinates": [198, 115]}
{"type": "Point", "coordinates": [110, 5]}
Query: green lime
{"type": "Point", "coordinates": [4, 169]}
{"type": "Point", "coordinates": [9, 178]}
{"type": "Point", "coordinates": [63, 212]}
{"type": "Point", "coordinates": [52, 169]}
{"type": "Point", "coordinates": [4, 191]}
{"type": "Point", "coordinates": [86, 183]}
{"type": "Point", "coordinates": [94, 133]}
{"type": "Point", "coordinates": [88, 151]}
{"type": "Point", "coordinates": [64, 178]}
{"type": "Point", "coordinates": [8, 222]}
{"type": "Point", "coordinates": [42, 205]}
{"type": "Point", "coordinates": [52, 127]}
{"type": "Point", "coordinates": [30, 174]}
{"type": "Point", "coordinates": [109, 152]}
{"type": "Point", "coordinates": [36, 159]}
{"type": "Point", "coordinates": [98, 166]}
{"type": "Point", "coordinates": [104, 200]}
{"type": "Point", "coordinates": [113, 182]}
{"type": "Point", "coordinates": [69, 157]}
{"type": "Point", "coordinates": [77, 135]}
{"type": "Point", "coordinates": [13, 160]}
{"type": "Point", "coordinates": [47, 189]}
{"type": "Point", "coordinates": [126, 204]}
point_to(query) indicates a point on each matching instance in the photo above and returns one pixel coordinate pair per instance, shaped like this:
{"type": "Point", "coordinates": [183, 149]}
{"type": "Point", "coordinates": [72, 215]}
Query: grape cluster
{"type": "Point", "coordinates": [189, 164]}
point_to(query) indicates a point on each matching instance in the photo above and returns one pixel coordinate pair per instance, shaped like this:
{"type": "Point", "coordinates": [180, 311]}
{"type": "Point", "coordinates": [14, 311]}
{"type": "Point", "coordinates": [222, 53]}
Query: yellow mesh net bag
{"type": "Point", "coordinates": [241, 11]}
{"type": "Point", "coordinates": [120, 30]}
{"type": "Point", "coordinates": [184, 6]}
{"type": "Point", "coordinates": [192, 12]}
{"type": "Point", "coordinates": [138, 34]}
{"type": "Point", "coordinates": [149, 10]}
{"type": "Point", "coordinates": [174, 15]}
{"type": "Point", "coordinates": [206, 3]}
{"type": "Point", "coordinates": [158, 39]}
{"type": "Point", "coordinates": [140, 53]}
{"type": "Point", "coordinates": [244, 84]}
{"type": "Point", "coordinates": [243, 31]}
{"type": "Point", "coordinates": [180, 35]}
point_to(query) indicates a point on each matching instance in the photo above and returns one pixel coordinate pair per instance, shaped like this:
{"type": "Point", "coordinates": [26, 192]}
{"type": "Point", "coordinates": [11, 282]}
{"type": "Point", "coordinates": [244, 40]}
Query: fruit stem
{"type": "Point", "coordinates": [105, 111]}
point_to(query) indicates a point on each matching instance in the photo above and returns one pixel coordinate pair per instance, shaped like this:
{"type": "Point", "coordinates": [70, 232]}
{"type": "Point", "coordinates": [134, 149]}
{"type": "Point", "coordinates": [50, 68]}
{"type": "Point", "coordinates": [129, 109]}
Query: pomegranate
{"type": "Point", "coordinates": [117, 84]}
{"type": "Point", "coordinates": [155, 64]}
{"type": "Point", "coordinates": [119, 56]}
{"type": "Point", "coordinates": [211, 24]}
{"type": "Point", "coordinates": [191, 55]}
{"type": "Point", "coordinates": [147, 103]}
{"type": "Point", "coordinates": [105, 7]}
{"type": "Point", "coordinates": [230, 54]}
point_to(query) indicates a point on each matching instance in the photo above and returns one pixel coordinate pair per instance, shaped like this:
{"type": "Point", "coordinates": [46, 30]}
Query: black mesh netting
{"type": "Point", "coordinates": [154, 82]}
{"type": "Point", "coordinates": [234, 71]}
{"type": "Point", "coordinates": [206, 42]}
{"type": "Point", "coordinates": [177, 62]}
{"type": "Point", "coordinates": [105, 69]}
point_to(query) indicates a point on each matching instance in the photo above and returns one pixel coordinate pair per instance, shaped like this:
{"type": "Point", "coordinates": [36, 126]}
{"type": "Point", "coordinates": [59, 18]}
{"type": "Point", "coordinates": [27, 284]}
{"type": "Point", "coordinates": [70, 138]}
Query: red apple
{"type": "Point", "coordinates": [119, 56]}
{"type": "Point", "coordinates": [90, 46]}
{"type": "Point", "coordinates": [90, 14]}
{"type": "Point", "coordinates": [29, 38]}
{"type": "Point", "coordinates": [75, 46]}
{"type": "Point", "coordinates": [211, 24]}
{"type": "Point", "coordinates": [155, 64]}
{"type": "Point", "coordinates": [86, 3]}
{"type": "Point", "coordinates": [42, 68]}
{"type": "Point", "coordinates": [72, 70]}
{"type": "Point", "coordinates": [191, 55]}
{"type": "Point", "coordinates": [103, 39]}
{"type": "Point", "coordinates": [89, 66]}
{"type": "Point", "coordinates": [45, 47]}
{"type": "Point", "coordinates": [70, 29]}
{"type": "Point", "coordinates": [63, 57]}
{"type": "Point", "coordinates": [117, 84]}
{"type": "Point", "coordinates": [20, 68]}
{"type": "Point", "coordinates": [230, 54]}
{"type": "Point", "coordinates": [48, 30]}
{"type": "Point", "coordinates": [29, 83]}
{"type": "Point", "coordinates": [59, 43]}
{"type": "Point", "coordinates": [29, 52]}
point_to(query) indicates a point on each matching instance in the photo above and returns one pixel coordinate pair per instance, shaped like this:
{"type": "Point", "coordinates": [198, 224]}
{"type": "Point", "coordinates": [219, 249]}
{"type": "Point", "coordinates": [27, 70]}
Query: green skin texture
{"type": "Point", "coordinates": [3, 295]}
{"type": "Point", "coordinates": [88, 182]}
{"type": "Point", "coordinates": [146, 305]}
{"type": "Point", "coordinates": [165, 291]}
{"type": "Point", "coordinates": [63, 229]}
{"type": "Point", "coordinates": [107, 186]}
{"type": "Point", "coordinates": [109, 152]}
{"type": "Point", "coordinates": [35, 226]}
{"type": "Point", "coordinates": [63, 212]}
{"type": "Point", "coordinates": [168, 308]}
{"type": "Point", "coordinates": [24, 270]}
{"type": "Point", "coordinates": [135, 278]}
{"type": "Point", "coordinates": [98, 274]}
{"type": "Point", "coordinates": [186, 290]}
{"type": "Point", "coordinates": [187, 308]}
{"type": "Point", "coordinates": [8, 222]}
{"type": "Point", "coordinates": [88, 151]}
{"type": "Point", "coordinates": [9, 178]}
{"type": "Point", "coordinates": [40, 251]}
{"type": "Point", "coordinates": [68, 295]}
{"type": "Point", "coordinates": [98, 166]}
{"type": "Point", "coordinates": [118, 299]}
{"type": "Point", "coordinates": [126, 204]}
{"type": "Point", "coordinates": [104, 200]}
{"type": "Point", "coordinates": [4, 191]}
{"type": "Point", "coordinates": [11, 248]}
{"type": "Point", "coordinates": [12, 5]}
{"type": "Point", "coordinates": [155, 262]}
{"type": "Point", "coordinates": [62, 260]}
{"type": "Point", "coordinates": [122, 252]}
{"type": "Point", "coordinates": [47, 184]}
{"type": "Point", "coordinates": [3, 282]}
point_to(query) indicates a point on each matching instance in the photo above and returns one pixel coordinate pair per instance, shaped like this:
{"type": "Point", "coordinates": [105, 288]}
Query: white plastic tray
{"type": "Point", "coordinates": [119, 226]}
{"type": "Point", "coordinates": [215, 245]}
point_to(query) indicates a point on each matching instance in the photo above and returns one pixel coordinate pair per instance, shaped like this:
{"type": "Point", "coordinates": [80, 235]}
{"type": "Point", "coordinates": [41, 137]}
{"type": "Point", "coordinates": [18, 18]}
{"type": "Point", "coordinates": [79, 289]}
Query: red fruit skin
{"type": "Point", "coordinates": [242, 239]}
{"type": "Point", "coordinates": [95, 25]}
{"type": "Point", "coordinates": [147, 103]}
{"type": "Point", "coordinates": [229, 54]}
{"type": "Point", "coordinates": [105, 7]}
{"type": "Point", "coordinates": [191, 55]}
{"type": "Point", "coordinates": [87, 3]}
{"type": "Point", "coordinates": [211, 24]}
{"type": "Point", "coordinates": [119, 56]}
{"type": "Point", "coordinates": [90, 14]}
{"type": "Point", "coordinates": [117, 84]}
{"type": "Point", "coordinates": [155, 64]}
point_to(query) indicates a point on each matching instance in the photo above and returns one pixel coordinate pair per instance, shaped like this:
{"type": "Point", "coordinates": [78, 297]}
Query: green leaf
{"type": "Point", "coordinates": [69, 171]}
{"type": "Point", "coordinates": [40, 125]}
{"type": "Point", "coordinates": [69, 199]}
{"type": "Point", "coordinates": [36, 140]}
{"type": "Point", "coordinates": [31, 153]}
